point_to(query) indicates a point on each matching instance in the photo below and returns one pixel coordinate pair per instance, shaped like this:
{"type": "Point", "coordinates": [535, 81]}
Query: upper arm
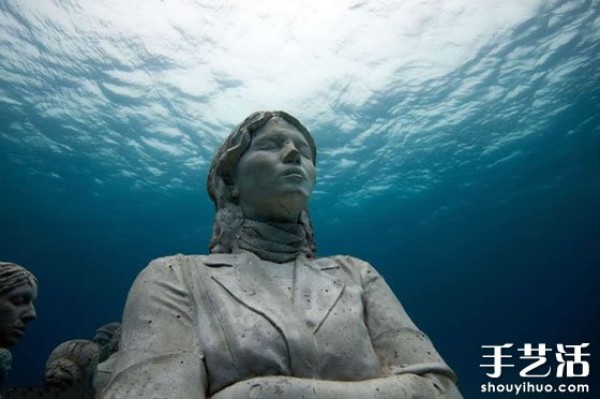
{"type": "Point", "coordinates": [399, 344]}
{"type": "Point", "coordinates": [159, 355]}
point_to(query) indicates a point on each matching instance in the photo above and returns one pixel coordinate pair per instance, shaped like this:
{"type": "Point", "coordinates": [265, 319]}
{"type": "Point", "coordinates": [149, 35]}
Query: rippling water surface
{"type": "Point", "coordinates": [459, 152]}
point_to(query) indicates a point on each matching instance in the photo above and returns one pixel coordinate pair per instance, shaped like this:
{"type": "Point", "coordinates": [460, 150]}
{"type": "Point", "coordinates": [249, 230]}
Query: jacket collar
{"type": "Point", "coordinates": [316, 292]}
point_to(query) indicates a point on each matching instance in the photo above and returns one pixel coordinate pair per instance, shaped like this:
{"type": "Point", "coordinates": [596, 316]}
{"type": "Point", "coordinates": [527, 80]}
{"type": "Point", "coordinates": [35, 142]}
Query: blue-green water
{"type": "Point", "coordinates": [459, 153]}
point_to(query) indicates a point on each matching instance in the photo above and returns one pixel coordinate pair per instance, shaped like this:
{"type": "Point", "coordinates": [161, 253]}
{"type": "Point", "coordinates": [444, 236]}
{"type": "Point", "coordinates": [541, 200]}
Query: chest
{"type": "Point", "coordinates": [253, 327]}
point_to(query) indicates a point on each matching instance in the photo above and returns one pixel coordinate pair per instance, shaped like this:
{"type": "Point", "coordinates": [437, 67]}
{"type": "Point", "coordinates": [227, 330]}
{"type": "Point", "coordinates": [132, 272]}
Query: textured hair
{"type": "Point", "coordinates": [82, 352]}
{"type": "Point", "coordinates": [113, 330]}
{"type": "Point", "coordinates": [5, 364]}
{"type": "Point", "coordinates": [71, 365]}
{"type": "Point", "coordinates": [109, 328]}
{"type": "Point", "coordinates": [229, 215]}
{"type": "Point", "coordinates": [13, 276]}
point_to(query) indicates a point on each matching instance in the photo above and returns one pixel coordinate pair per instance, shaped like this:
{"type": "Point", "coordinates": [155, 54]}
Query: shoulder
{"type": "Point", "coordinates": [173, 264]}
{"type": "Point", "coordinates": [174, 271]}
{"type": "Point", "coordinates": [181, 268]}
{"type": "Point", "coordinates": [175, 261]}
{"type": "Point", "coordinates": [166, 281]}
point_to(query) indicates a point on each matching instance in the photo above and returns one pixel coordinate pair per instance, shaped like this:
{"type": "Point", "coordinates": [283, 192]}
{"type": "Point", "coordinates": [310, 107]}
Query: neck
{"type": "Point", "coordinates": [275, 242]}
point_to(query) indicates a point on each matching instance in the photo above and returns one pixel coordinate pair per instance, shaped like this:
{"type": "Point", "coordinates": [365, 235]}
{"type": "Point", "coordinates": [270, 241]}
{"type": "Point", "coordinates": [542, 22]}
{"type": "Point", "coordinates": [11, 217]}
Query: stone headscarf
{"type": "Point", "coordinates": [110, 328]}
{"type": "Point", "coordinates": [13, 276]}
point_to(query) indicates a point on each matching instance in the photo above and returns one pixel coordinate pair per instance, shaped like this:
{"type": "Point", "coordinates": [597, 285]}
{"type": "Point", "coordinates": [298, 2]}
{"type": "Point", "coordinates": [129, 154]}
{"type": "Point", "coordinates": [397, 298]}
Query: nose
{"type": "Point", "coordinates": [29, 313]}
{"type": "Point", "coordinates": [290, 153]}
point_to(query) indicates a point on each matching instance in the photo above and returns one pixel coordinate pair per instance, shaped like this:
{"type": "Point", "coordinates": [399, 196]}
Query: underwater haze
{"type": "Point", "coordinates": [458, 152]}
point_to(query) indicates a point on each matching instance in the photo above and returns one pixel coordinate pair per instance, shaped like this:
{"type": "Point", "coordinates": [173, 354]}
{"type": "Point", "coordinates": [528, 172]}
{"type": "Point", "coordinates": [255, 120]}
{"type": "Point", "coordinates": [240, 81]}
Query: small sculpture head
{"type": "Point", "coordinates": [265, 171]}
{"type": "Point", "coordinates": [71, 363]}
{"type": "Point", "coordinates": [107, 339]}
{"type": "Point", "coordinates": [62, 373]}
{"type": "Point", "coordinates": [18, 291]}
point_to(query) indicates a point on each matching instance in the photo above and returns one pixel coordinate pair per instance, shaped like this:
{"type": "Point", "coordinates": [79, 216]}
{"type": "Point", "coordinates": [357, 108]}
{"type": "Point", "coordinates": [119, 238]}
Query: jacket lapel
{"type": "Point", "coordinates": [317, 292]}
{"type": "Point", "coordinates": [248, 282]}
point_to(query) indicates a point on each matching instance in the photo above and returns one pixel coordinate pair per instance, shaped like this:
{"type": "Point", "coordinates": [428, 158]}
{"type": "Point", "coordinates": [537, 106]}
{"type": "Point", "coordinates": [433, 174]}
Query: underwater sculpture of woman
{"type": "Point", "coordinates": [18, 291]}
{"type": "Point", "coordinates": [261, 316]}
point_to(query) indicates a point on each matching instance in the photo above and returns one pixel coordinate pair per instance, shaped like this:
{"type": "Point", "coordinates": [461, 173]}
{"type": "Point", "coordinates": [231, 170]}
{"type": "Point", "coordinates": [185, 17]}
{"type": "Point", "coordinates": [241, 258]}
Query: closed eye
{"type": "Point", "coordinates": [20, 300]}
{"type": "Point", "coordinates": [304, 149]}
{"type": "Point", "coordinates": [265, 144]}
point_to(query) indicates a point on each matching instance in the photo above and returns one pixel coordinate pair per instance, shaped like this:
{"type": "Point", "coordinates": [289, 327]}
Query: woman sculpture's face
{"type": "Point", "coordinates": [61, 373]}
{"type": "Point", "coordinates": [16, 310]}
{"type": "Point", "coordinates": [103, 340]}
{"type": "Point", "coordinates": [276, 175]}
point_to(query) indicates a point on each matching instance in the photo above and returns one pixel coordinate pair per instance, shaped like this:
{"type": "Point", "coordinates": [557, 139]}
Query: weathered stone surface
{"type": "Point", "coordinates": [71, 367]}
{"type": "Point", "coordinates": [41, 393]}
{"type": "Point", "coordinates": [262, 316]}
{"type": "Point", "coordinates": [107, 338]}
{"type": "Point", "coordinates": [18, 291]}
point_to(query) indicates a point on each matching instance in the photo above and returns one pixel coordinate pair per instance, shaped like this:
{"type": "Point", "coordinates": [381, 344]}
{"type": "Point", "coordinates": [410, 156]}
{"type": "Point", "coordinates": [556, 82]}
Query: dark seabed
{"type": "Point", "coordinates": [459, 153]}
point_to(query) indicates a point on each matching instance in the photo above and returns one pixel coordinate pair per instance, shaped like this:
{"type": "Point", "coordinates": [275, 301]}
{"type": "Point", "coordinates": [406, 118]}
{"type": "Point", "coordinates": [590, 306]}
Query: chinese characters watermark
{"type": "Point", "coordinates": [535, 362]}
{"type": "Point", "coordinates": [569, 358]}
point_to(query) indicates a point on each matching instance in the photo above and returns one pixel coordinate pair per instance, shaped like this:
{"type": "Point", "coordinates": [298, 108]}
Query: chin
{"type": "Point", "coordinates": [296, 195]}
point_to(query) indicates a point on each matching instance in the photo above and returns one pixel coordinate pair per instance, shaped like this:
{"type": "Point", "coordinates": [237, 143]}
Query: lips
{"type": "Point", "coordinates": [294, 173]}
{"type": "Point", "coordinates": [18, 331]}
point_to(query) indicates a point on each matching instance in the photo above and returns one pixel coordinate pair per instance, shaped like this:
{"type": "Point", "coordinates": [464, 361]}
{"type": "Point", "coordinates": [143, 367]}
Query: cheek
{"type": "Point", "coordinates": [255, 169]}
{"type": "Point", "coordinates": [261, 161]}
{"type": "Point", "coordinates": [7, 314]}
{"type": "Point", "coordinates": [244, 167]}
